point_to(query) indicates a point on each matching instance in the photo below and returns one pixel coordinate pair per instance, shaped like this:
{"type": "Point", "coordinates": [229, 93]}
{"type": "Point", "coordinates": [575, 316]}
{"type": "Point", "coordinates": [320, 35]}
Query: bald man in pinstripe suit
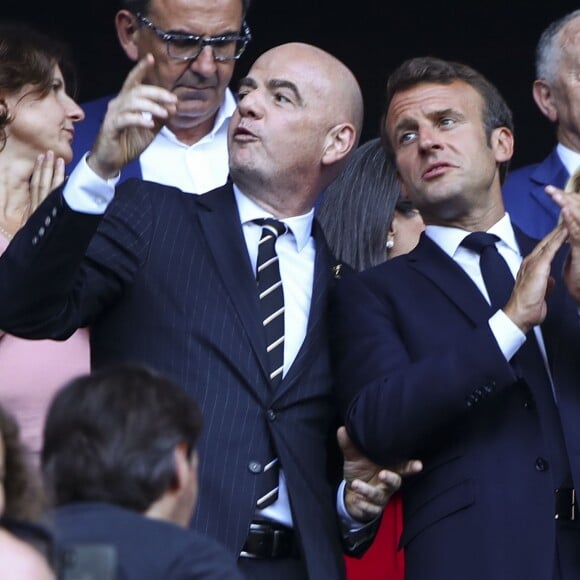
{"type": "Point", "coordinates": [167, 279]}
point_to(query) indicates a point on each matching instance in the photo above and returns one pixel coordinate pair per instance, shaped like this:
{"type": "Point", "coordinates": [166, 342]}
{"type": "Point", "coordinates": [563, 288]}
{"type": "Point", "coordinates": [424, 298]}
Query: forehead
{"type": "Point", "coordinates": [571, 39]}
{"type": "Point", "coordinates": [294, 67]}
{"type": "Point", "coordinates": [198, 16]}
{"type": "Point", "coordinates": [427, 99]}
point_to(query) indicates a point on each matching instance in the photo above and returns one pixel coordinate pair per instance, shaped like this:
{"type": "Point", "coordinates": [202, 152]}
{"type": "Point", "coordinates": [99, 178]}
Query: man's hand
{"type": "Point", "coordinates": [570, 217]}
{"type": "Point", "coordinates": [527, 304]}
{"type": "Point", "coordinates": [368, 486]}
{"type": "Point", "coordinates": [133, 119]}
{"type": "Point", "coordinates": [48, 174]}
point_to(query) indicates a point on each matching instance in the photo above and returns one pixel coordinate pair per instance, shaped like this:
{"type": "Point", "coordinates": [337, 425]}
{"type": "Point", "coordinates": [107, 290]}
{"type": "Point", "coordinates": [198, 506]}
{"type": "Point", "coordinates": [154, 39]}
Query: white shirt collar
{"type": "Point", "coordinates": [300, 226]}
{"type": "Point", "coordinates": [449, 239]}
{"type": "Point", "coordinates": [570, 159]}
{"type": "Point", "coordinates": [223, 117]}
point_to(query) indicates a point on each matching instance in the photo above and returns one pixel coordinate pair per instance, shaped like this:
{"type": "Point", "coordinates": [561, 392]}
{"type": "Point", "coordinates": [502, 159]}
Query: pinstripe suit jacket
{"type": "Point", "coordinates": [164, 279]}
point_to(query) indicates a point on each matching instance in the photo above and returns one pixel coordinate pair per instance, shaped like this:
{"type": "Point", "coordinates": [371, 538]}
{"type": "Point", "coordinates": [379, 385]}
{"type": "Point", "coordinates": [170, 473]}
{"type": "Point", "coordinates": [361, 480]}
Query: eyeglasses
{"type": "Point", "coordinates": [181, 46]}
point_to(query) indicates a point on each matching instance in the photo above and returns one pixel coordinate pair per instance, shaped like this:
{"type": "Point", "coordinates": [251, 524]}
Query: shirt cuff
{"type": "Point", "coordinates": [507, 333]}
{"type": "Point", "coordinates": [86, 192]}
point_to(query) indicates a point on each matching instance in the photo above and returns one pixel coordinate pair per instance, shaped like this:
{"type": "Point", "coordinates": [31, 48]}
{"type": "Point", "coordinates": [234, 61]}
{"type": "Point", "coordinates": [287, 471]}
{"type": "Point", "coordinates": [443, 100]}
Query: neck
{"type": "Point", "coordinates": [14, 193]}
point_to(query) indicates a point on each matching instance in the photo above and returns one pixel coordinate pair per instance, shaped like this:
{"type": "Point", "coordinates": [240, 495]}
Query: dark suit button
{"type": "Point", "coordinates": [34, 241]}
{"type": "Point", "coordinates": [47, 220]}
{"type": "Point", "coordinates": [541, 464]}
{"type": "Point", "coordinates": [41, 231]}
{"type": "Point", "coordinates": [255, 467]}
{"type": "Point", "coordinates": [271, 414]}
{"type": "Point", "coordinates": [529, 405]}
{"type": "Point", "coordinates": [54, 212]}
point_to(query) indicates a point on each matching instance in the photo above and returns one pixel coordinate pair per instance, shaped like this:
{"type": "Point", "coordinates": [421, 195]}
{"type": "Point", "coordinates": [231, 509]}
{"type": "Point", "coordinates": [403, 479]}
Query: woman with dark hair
{"type": "Point", "coordinates": [37, 120]}
{"type": "Point", "coordinates": [364, 218]}
{"type": "Point", "coordinates": [366, 221]}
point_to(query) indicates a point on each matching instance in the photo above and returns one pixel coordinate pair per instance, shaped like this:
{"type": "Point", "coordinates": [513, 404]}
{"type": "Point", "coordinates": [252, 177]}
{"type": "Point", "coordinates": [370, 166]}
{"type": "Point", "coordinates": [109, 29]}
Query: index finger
{"type": "Point", "coordinates": [137, 74]}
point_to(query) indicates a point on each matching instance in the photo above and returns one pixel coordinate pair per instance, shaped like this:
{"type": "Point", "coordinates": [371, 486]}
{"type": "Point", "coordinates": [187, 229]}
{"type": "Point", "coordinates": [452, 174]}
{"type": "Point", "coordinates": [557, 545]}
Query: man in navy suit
{"type": "Point", "coordinates": [557, 95]}
{"type": "Point", "coordinates": [487, 397]}
{"type": "Point", "coordinates": [120, 459]}
{"type": "Point", "coordinates": [168, 279]}
{"type": "Point", "coordinates": [195, 44]}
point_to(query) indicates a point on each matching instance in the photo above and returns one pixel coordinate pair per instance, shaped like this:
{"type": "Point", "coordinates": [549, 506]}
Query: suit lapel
{"type": "Point", "coordinates": [433, 263]}
{"type": "Point", "coordinates": [220, 223]}
{"type": "Point", "coordinates": [550, 171]}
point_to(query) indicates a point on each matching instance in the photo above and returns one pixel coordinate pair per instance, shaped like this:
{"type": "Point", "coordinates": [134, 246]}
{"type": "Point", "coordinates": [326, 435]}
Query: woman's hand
{"type": "Point", "coordinates": [47, 175]}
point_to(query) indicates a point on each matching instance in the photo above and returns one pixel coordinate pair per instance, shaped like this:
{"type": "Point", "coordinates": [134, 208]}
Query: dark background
{"type": "Point", "coordinates": [371, 36]}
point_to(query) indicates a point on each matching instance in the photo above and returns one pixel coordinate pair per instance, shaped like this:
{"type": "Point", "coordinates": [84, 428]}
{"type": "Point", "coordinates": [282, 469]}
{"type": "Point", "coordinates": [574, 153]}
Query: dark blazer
{"type": "Point", "coordinates": [167, 281]}
{"type": "Point", "coordinates": [86, 133]}
{"type": "Point", "coordinates": [420, 375]}
{"type": "Point", "coordinates": [146, 549]}
{"type": "Point", "coordinates": [529, 206]}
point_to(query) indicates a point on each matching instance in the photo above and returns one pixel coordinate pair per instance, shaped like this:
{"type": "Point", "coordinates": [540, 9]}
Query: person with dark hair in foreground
{"type": "Point", "coordinates": [120, 460]}
{"type": "Point", "coordinates": [443, 356]}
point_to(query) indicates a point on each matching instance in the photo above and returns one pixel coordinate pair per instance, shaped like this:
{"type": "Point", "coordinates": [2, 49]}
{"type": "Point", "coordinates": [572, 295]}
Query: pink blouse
{"type": "Point", "coordinates": [32, 371]}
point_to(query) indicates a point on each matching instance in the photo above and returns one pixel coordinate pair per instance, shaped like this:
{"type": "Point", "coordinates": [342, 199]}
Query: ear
{"type": "Point", "coordinates": [338, 143]}
{"type": "Point", "coordinates": [128, 31]}
{"type": "Point", "coordinates": [542, 94]}
{"type": "Point", "coordinates": [182, 468]}
{"type": "Point", "coordinates": [502, 142]}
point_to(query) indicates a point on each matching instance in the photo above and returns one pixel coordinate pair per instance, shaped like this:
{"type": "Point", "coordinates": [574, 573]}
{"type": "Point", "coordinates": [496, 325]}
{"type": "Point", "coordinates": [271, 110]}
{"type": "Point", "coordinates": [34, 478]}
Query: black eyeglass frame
{"type": "Point", "coordinates": [170, 37]}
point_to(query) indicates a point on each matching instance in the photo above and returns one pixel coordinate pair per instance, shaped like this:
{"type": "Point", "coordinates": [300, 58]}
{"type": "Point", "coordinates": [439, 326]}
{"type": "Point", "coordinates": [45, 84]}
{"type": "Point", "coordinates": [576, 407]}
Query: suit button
{"type": "Point", "coordinates": [255, 467]}
{"type": "Point", "coordinates": [541, 464]}
{"type": "Point", "coordinates": [54, 212]}
{"type": "Point", "coordinates": [41, 231]}
{"type": "Point", "coordinates": [271, 414]}
{"type": "Point", "coordinates": [529, 405]}
{"type": "Point", "coordinates": [34, 240]}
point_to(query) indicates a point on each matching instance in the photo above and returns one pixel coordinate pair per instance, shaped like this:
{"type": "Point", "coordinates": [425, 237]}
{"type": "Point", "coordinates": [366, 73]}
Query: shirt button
{"type": "Point", "coordinates": [255, 467]}
{"type": "Point", "coordinates": [541, 464]}
{"type": "Point", "coordinates": [271, 414]}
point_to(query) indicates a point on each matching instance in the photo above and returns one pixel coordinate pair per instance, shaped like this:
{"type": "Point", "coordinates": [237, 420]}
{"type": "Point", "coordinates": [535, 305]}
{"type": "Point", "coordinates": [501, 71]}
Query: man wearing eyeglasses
{"type": "Point", "coordinates": [195, 44]}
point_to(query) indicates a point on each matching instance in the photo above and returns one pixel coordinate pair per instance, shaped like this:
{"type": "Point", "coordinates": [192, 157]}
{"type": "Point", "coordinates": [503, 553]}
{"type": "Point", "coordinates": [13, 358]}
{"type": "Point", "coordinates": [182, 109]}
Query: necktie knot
{"type": "Point", "coordinates": [479, 241]}
{"type": "Point", "coordinates": [275, 227]}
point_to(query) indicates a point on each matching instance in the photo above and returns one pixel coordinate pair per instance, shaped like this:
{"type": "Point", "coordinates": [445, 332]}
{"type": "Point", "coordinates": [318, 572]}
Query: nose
{"type": "Point", "coordinates": [427, 139]}
{"type": "Point", "coordinates": [250, 105]}
{"type": "Point", "coordinates": [73, 111]}
{"type": "Point", "coordinates": [204, 64]}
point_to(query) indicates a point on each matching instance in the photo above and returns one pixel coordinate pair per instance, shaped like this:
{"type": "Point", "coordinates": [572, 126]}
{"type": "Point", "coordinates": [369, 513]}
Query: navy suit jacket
{"type": "Point", "coordinates": [167, 281]}
{"type": "Point", "coordinates": [146, 549]}
{"type": "Point", "coordinates": [420, 375]}
{"type": "Point", "coordinates": [86, 133]}
{"type": "Point", "coordinates": [529, 206]}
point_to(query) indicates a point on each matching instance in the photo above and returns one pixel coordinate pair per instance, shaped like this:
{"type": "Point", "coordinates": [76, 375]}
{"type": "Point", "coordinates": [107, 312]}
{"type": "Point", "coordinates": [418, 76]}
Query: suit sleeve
{"type": "Point", "coordinates": [64, 267]}
{"type": "Point", "coordinates": [396, 396]}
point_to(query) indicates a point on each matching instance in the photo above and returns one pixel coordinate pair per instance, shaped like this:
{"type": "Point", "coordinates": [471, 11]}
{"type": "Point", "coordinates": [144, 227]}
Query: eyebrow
{"type": "Point", "coordinates": [249, 82]}
{"type": "Point", "coordinates": [282, 84]}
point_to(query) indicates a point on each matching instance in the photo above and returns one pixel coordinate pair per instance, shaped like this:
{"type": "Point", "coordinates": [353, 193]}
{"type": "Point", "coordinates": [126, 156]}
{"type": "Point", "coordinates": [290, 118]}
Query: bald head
{"type": "Point", "coordinates": [299, 115]}
{"type": "Point", "coordinates": [334, 83]}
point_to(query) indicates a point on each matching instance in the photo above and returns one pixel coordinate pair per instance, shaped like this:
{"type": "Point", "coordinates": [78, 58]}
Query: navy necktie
{"type": "Point", "coordinates": [496, 274]}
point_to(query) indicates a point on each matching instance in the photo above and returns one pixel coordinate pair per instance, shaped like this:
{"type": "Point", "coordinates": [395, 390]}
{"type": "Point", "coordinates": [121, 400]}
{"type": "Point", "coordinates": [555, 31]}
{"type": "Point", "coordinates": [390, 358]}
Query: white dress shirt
{"type": "Point", "coordinates": [196, 168]}
{"type": "Point", "coordinates": [570, 159]}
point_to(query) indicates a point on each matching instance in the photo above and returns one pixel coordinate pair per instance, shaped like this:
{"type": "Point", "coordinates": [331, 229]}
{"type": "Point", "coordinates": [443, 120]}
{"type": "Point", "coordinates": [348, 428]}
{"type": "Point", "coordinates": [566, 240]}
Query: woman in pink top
{"type": "Point", "coordinates": [37, 120]}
